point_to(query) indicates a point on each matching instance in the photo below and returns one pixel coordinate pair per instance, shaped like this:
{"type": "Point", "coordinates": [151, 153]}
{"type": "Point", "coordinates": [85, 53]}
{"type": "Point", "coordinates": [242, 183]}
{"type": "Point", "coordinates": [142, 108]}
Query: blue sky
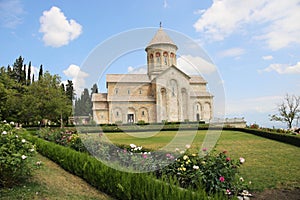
{"type": "Point", "coordinates": [255, 45]}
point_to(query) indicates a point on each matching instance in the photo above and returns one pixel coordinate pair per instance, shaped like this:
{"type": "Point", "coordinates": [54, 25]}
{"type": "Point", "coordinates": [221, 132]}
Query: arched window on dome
{"type": "Point", "coordinates": [172, 56]}
{"type": "Point", "coordinates": [157, 55]}
{"type": "Point", "coordinates": [165, 58]}
{"type": "Point", "coordinates": [151, 57]}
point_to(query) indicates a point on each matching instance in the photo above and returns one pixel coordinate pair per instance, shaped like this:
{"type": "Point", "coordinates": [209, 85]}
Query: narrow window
{"type": "Point", "coordinates": [116, 90]}
{"type": "Point", "coordinates": [143, 113]}
{"type": "Point", "coordinates": [140, 91]}
{"type": "Point", "coordinates": [128, 91]}
{"type": "Point", "coordinates": [157, 57]}
{"type": "Point", "coordinates": [117, 113]}
{"type": "Point", "coordinates": [165, 58]}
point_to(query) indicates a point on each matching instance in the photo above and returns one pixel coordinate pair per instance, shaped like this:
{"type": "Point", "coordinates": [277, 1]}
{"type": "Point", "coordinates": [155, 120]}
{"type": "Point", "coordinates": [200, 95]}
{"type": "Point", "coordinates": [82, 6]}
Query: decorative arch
{"type": "Point", "coordinates": [207, 111]}
{"type": "Point", "coordinates": [157, 57]}
{"type": "Point", "coordinates": [166, 58]}
{"type": "Point", "coordinates": [198, 115]}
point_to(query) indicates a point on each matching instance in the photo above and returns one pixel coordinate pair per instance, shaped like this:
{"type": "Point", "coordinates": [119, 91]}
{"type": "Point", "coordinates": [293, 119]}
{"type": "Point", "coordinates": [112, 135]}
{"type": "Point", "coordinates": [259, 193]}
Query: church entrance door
{"type": "Point", "coordinates": [130, 118]}
{"type": "Point", "coordinates": [198, 117]}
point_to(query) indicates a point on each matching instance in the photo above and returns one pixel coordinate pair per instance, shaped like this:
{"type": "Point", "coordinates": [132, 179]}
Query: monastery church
{"type": "Point", "coordinates": [165, 93]}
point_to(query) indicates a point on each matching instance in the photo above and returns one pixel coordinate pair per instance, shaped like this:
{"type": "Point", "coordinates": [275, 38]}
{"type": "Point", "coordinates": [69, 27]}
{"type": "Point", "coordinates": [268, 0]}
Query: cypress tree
{"type": "Point", "coordinates": [29, 73]}
{"type": "Point", "coordinates": [41, 72]}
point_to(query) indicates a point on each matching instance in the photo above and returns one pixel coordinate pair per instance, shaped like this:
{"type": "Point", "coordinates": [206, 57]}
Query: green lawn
{"type": "Point", "coordinates": [269, 164]}
{"type": "Point", "coordinates": [52, 182]}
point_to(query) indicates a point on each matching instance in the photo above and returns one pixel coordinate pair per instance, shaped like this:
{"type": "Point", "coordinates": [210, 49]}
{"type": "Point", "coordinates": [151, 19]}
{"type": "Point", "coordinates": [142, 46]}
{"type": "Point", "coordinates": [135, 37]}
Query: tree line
{"type": "Point", "coordinates": [25, 100]}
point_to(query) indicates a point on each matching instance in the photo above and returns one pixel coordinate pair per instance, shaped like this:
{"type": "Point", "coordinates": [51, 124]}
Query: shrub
{"type": "Point", "coordinates": [15, 156]}
{"type": "Point", "coordinates": [217, 173]}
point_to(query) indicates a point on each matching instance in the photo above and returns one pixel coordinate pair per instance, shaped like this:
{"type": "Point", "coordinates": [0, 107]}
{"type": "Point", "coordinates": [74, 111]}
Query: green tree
{"type": "Point", "coordinates": [29, 74]}
{"type": "Point", "coordinates": [70, 90]}
{"type": "Point", "coordinates": [41, 72]}
{"type": "Point", "coordinates": [46, 100]}
{"type": "Point", "coordinates": [83, 105]}
{"type": "Point", "coordinates": [288, 110]}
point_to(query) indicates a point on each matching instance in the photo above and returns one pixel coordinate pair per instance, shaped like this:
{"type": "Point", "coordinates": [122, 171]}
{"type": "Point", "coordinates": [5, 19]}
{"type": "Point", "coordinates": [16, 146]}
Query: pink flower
{"type": "Point", "coordinates": [222, 179]}
{"type": "Point", "coordinates": [144, 156]}
{"type": "Point", "coordinates": [242, 160]}
{"type": "Point", "coordinates": [228, 159]}
{"type": "Point", "coordinates": [204, 149]}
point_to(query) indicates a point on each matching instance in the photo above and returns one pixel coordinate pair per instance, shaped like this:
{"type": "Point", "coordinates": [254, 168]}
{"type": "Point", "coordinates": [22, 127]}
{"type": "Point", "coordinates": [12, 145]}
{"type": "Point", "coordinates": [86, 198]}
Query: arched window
{"type": "Point", "coordinates": [172, 58]}
{"type": "Point", "coordinates": [165, 58]}
{"type": "Point", "coordinates": [151, 57]}
{"type": "Point", "coordinates": [157, 55]}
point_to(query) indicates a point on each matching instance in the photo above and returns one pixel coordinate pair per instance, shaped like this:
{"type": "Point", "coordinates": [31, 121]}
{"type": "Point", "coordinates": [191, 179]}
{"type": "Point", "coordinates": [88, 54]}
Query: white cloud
{"type": "Point", "coordinates": [276, 21]}
{"type": "Point", "coordinates": [57, 30]}
{"type": "Point", "coordinates": [283, 68]}
{"type": "Point", "coordinates": [267, 57]}
{"type": "Point", "coordinates": [195, 65]}
{"type": "Point", "coordinates": [138, 70]}
{"type": "Point", "coordinates": [11, 12]}
{"type": "Point", "coordinates": [78, 77]}
{"type": "Point", "coordinates": [233, 52]}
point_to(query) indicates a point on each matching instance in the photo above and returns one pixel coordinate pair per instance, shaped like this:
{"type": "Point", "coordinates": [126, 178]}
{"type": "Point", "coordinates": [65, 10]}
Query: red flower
{"type": "Point", "coordinates": [222, 179]}
{"type": "Point", "coordinates": [228, 159]}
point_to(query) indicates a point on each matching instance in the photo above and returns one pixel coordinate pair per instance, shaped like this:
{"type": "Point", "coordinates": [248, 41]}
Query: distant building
{"type": "Point", "coordinates": [165, 93]}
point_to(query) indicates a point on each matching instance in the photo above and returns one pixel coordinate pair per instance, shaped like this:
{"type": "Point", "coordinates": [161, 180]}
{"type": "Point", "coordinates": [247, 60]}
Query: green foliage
{"type": "Point", "coordinates": [217, 173]}
{"type": "Point", "coordinates": [15, 156]}
{"type": "Point", "coordinates": [118, 184]}
{"type": "Point", "coordinates": [83, 105]}
{"type": "Point", "coordinates": [31, 103]}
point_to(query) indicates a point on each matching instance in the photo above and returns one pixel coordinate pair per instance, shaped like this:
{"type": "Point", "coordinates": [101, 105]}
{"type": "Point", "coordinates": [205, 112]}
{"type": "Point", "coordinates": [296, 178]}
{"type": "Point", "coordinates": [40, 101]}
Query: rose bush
{"type": "Point", "coordinates": [216, 172]}
{"type": "Point", "coordinates": [15, 155]}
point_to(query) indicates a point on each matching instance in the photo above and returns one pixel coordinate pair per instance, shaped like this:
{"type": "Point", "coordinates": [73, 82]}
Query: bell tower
{"type": "Point", "coordinates": [161, 53]}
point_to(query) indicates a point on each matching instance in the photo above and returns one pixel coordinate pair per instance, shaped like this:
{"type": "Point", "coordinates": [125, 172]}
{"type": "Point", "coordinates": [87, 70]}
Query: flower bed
{"type": "Point", "coordinates": [214, 172]}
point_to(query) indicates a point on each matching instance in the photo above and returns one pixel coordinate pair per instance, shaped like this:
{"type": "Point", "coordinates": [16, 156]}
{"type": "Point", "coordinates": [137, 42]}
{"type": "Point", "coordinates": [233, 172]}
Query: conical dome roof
{"type": "Point", "coordinates": [161, 37]}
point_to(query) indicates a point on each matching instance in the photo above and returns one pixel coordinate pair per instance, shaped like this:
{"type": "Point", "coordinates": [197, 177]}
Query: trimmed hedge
{"type": "Point", "coordinates": [118, 184]}
{"type": "Point", "coordinates": [286, 138]}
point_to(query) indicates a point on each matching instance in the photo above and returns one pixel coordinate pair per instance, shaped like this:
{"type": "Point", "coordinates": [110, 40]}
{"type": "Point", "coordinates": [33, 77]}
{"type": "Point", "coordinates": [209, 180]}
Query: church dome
{"type": "Point", "coordinates": [161, 37]}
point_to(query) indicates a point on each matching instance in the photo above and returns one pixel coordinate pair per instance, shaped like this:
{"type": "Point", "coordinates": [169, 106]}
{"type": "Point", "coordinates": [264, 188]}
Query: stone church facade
{"type": "Point", "coordinates": [165, 93]}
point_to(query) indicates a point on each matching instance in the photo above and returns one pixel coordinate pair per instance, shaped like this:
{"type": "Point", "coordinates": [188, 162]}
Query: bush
{"type": "Point", "coordinates": [15, 156]}
{"type": "Point", "coordinates": [217, 173]}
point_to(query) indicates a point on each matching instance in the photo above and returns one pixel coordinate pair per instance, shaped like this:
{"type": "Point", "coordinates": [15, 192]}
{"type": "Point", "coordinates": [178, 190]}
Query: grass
{"type": "Point", "coordinates": [269, 164]}
{"type": "Point", "coordinates": [52, 182]}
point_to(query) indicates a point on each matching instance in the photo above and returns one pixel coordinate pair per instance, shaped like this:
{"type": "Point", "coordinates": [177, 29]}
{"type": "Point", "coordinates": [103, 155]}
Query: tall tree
{"type": "Point", "coordinates": [17, 70]}
{"type": "Point", "coordinates": [41, 72]}
{"type": "Point", "coordinates": [70, 90]}
{"type": "Point", "coordinates": [23, 76]}
{"type": "Point", "coordinates": [288, 110]}
{"type": "Point", "coordinates": [83, 106]}
{"type": "Point", "coordinates": [29, 74]}
{"type": "Point", "coordinates": [46, 100]}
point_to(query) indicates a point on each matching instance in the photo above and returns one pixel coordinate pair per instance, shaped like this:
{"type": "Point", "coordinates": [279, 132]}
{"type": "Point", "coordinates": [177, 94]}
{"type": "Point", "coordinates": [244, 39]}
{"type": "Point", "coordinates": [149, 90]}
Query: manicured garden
{"type": "Point", "coordinates": [240, 161]}
{"type": "Point", "coordinates": [269, 164]}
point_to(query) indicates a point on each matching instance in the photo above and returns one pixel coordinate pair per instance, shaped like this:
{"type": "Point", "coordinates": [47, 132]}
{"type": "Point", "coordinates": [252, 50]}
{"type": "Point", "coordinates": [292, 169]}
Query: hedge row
{"type": "Point", "coordinates": [280, 137]}
{"type": "Point", "coordinates": [118, 184]}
